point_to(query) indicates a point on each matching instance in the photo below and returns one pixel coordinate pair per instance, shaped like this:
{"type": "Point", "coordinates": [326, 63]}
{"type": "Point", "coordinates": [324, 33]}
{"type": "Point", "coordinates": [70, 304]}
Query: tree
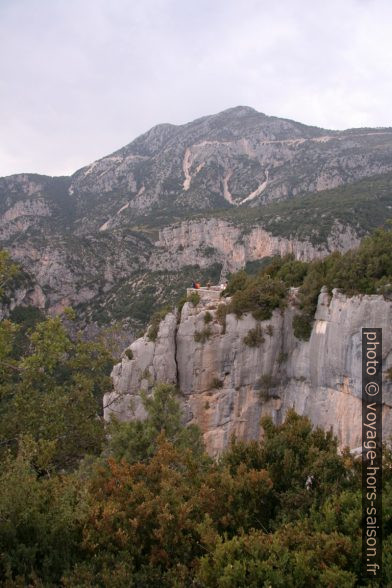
{"type": "Point", "coordinates": [54, 392]}
{"type": "Point", "coordinates": [41, 519]}
{"type": "Point", "coordinates": [137, 440]}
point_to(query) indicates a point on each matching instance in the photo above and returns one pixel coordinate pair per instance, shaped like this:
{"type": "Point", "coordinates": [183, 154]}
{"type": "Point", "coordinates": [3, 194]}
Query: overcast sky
{"type": "Point", "coordinates": [81, 78]}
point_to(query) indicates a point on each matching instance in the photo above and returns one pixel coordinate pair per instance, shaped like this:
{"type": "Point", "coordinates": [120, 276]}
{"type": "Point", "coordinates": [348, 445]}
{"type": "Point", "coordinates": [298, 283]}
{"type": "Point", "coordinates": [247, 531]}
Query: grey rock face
{"type": "Point", "coordinates": [227, 386]}
{"type": "Point", "coordinates": [199, 241]}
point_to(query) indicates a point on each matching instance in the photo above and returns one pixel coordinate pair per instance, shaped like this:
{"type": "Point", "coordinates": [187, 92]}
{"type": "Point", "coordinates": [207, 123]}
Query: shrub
{"type": "Point", "coordinates": [238, 281]}
{"type": "Point", "coordinates": [282, 357]}
{"type": "Point", "coordinates": [202, 336]}
{"type": "Point", "coordinates": [221, 313]}
{"type": "Point", "coordinates": [194, 298]}
{"type": "Point", "coordinates": [302, 326]}
{"type": "Point", "coordinates": [360, 271]}
{"type": "Point", "coordinates": [260, 296]}
{"type": "Point", "coordinates": [269, 330]}
{"type": "Point", "coordinates": [156, 319]}
{"type": "Point", "coordinates": [287, 269]}
{"type": "Point", "coordinates": [254, 338]}
{"type": "Point", "coordinates": [207, 317]}
{"type": "Point", "coordinates": [181, 303]}
{"type": "Point", "coordinates": [217, 383]}
{"type": "Point", "coordinates": [266, 383]}
{"type": "Point", "coordinates": [128, 353]}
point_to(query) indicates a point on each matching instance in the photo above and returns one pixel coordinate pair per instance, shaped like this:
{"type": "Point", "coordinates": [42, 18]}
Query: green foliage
{"type": "Point", "coordinates": [194, 298]}
{"type": "Point", "coordinates": [128, 353]}
{"type": "Point", "coordinates": [254, 338]}
{"type": "Point", "coordinates": [8, 271]}
{"type": "Point", "coordinates": [137, 440]}
{"type": "Point", "coordinates": [156, 319]}
{"type": "Point", "coordinates": [53, 392]}
{"type": "Point", "coordinates": [181, 303]}
{"type": "Point", "coordinates": [291, 271]}
{"type": "Point", "coordinates": [287, 559]}
{"type": "Point", "coordinates": [221, 313]}
{"type": "Point", "coordinates": [217, 383]}
{"type": "Point", "coordinates": [41, 519]}
{"type": "Point", "coordinates": [202, 336]}
{"type": "Point", "coordinates": [26, 317]}
{"type": "Point", "coordinates": [365, 270]}
{"type": "Point", "coordinates": [269, 330]}
{"type": "Point", "coordinates": [177, 519]}
{"type": "Point", "coordinates": [207, 317]}
{"type": "Point", "coordinates": [302, 326]}
{"type": "Point", "coordinates": [313, 216]}
{"type": "Point", "coordinates": [163, 513]}
{"type": "Point", "coordinates": [147, 507]}
{"type": "Point", "coordinates": [237, 282]}
{"type": "Point", "coordinates": [266, 384]}
{"type": "Point", "coordinates": [259, 295]}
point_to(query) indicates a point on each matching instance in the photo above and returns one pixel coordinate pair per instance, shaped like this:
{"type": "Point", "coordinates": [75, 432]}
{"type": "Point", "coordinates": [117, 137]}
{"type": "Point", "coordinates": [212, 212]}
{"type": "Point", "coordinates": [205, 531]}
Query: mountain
{"type": "Point", "coordinates": [130, 231]}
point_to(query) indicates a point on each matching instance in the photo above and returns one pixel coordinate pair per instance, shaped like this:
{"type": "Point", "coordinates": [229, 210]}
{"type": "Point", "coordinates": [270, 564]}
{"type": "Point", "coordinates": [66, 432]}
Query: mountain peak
{"type": "Point", "coordinates": [240, 110]}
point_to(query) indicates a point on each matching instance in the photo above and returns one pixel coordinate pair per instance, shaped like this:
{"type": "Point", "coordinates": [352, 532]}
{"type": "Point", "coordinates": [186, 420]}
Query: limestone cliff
{"type": "Point", "coordinates": [199, 241]}
{"type": "Point", "coordinates": [226, 385]}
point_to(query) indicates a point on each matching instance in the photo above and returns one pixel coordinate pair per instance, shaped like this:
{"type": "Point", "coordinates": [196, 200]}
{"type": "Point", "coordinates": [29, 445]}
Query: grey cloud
{"type": "Point", "coordinates": [81, 78]}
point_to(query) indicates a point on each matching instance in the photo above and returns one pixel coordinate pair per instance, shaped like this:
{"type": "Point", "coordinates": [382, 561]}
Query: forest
{"type": "Point", "coordinates": [140, 504]}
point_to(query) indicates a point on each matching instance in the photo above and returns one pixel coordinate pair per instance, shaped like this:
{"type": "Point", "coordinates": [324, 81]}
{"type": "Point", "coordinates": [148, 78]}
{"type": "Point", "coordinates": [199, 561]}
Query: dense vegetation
{"type": "Point", "coordinates": [141, 504]}
{"type": "Point", "coordinates": [363, 205]}
{"type": "Point", "coordinates": [365, 270]}
{"type": "Point", "coordinates": [154, 510]}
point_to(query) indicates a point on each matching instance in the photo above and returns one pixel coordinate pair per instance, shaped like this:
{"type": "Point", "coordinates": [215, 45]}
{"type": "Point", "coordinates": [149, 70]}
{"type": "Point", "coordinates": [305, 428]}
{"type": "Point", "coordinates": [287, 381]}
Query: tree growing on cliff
{"type": "Point", "coordinates": [137, 440]}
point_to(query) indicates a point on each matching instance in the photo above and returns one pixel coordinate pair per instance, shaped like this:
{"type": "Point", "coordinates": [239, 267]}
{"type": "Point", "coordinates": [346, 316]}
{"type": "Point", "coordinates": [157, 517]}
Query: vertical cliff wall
{"type": "Point", "coordinates": [226, 385]}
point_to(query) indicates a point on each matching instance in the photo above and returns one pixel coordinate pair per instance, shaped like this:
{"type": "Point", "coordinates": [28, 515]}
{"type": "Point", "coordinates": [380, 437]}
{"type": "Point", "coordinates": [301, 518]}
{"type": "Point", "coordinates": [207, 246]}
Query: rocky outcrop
{"type": "Point", "coordinates": [226, 386]}
{"type": "Point", "coordinates": [207, 240]}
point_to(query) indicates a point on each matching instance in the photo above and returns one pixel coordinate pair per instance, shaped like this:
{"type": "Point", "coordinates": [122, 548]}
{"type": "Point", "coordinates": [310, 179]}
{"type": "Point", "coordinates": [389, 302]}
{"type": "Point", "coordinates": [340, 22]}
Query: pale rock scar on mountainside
{"type": "Point", "coordinates": [258, 190]}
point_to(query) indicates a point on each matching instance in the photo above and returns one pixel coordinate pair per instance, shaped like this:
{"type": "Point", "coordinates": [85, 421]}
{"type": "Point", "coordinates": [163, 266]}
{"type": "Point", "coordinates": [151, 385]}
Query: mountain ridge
{"type": "Point", "coordinates": [89, 238]}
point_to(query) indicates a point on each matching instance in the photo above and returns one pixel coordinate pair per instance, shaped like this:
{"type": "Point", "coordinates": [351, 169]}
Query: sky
{"type": "Point", "coordinates": [82, 78]}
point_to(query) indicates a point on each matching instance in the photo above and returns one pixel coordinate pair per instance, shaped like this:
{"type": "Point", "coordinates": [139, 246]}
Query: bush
{"type": "Point", "coordinates": [360, 271]}
{"type": "Point", "coordinates": [156, 319]}
{"type": "Point", "coordinates": [254, 338]}
{"type": "Point", "coordinates": [202, 336]}
{"type": "Point", "coordinates": [267, 382]}
{"type": "Point", "coordinates": [221, 313]}
{"type": "Point", "coordinates": [260, 296]}
{"type": "Point", "coordinates": [282, 357]}
{"type": "Point", "coordinates": [238, 281]}
{"type": "Point", "coordinates": [302, 326]}
{"type": "Point", "coordinates": [217, 383]}
{"type": "Point", "coordinates": [181, 303]}
{"type": "Point", "coordinates": [207, 317]}
{"type": "Point", "coordinates": [269, 330]}
{"type": "Point", "coordinates": [128, 353]}
{"type": "Point", "coordinates": [194, 298]}
{"type": "Point", "coordinates": [291, 271]}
